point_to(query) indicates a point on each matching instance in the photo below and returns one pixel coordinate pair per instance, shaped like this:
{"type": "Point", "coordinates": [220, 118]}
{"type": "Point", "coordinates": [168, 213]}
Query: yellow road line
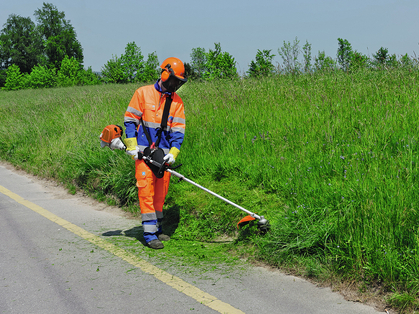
{"type": "Point", "coordinates": [173, 281]}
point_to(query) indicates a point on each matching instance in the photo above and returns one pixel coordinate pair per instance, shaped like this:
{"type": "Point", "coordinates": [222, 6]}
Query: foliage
{"type": "Point", "coordinates": [262, 66]}
{"type": "Point", "coordinates": [132, 63]}
{"type": "Point", "coordinates": [324, 63]}
{"type": "Point", "coordinates": [130, 67]}
{"type": "Point", "coordinates": [381, 56]}
{"type": "Point", "coordinates": [289, 53]}
{"type": "Point", "coordinates": [358, 61]}
{"type": "Point", "coordinates": [307, 57]}
{"type": "Point", "coordinates": [14, 79]}
{"type": "Point", "coordinates": [151, 72]}
{"type": "Point", "coordinates": [344, 54]}
{"type": "Point", "coordinates": [3, 76]}
{"type": "Point", "coordinates": [112, 71]}
{"type": "Point", "coordinates": [58, 35]}
{"type": "Point", "coordinates": [69, 74]}
{"type": "Point", "coordinates": [407, 62]}
{"type": "Point", "coordinates": [220, 65]}
{"type": "Point", "coordinates": [198, 65]}
{"type": "Point", "coordinates": [41, 77]}
{"type": "Point", "coordinates": [20, 44]}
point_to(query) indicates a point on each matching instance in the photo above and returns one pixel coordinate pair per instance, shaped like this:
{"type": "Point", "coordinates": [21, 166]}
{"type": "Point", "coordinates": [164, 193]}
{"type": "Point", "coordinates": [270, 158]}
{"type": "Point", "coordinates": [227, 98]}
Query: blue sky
{"type": "Point", "coordinates": [173, 28]}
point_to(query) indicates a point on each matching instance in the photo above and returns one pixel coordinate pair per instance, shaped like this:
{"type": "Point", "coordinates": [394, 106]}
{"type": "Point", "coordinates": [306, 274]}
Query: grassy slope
{"type": "Point", "coordinates": [331, 160]}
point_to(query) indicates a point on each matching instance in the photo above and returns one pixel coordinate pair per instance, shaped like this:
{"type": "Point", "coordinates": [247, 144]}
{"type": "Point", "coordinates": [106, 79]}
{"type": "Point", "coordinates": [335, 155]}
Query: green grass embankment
{"type": "Point", "coordinates": [331, 160]}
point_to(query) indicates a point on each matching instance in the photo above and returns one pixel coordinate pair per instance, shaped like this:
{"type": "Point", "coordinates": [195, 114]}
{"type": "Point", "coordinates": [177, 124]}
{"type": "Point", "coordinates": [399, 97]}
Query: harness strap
{"type": "Point", "coordinates": [163, 124]}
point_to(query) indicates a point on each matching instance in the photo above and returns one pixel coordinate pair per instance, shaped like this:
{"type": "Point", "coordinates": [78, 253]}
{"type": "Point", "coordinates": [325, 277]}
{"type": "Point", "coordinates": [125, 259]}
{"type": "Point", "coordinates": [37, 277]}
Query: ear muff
{"type": "Point", "coordinates": [166, 72]}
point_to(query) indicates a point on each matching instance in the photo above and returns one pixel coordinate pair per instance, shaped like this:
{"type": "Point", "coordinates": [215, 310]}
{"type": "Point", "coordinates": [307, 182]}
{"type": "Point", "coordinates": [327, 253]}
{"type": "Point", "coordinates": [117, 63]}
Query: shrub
{"type": "Point", "coordinates": [68, 73]}
{"type": "Point", "coordinates": [14, 79]}
{"type": "Point", "coordinates": [41, 77]}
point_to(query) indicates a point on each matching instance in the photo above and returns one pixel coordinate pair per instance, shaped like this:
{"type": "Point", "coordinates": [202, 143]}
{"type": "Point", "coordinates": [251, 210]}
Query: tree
{"type": "Point", "coordinates": [14, 79]}
{"type": "Point", "coordinates": [41, 77]}
{"type": "Point", "coordinates": [289, 53]}
{"type": "Point", "coordinates": [307, 57]}
{"type": "Point", "coordinates": [262, 66]}
{"type": "Point", "coordinates": [198, 65]}
{"type": "Point", "coordinates": [220, 64]}
{"type": "Point", "coordinates": [68, 74]}
{"type": "Point", "coordinates": [189, 73]}
{"type": "Point", "coordinates": [112, 71]}
{"type": "Point", "coordinates": [130, 67]}
{"type": "Point", "coordinates": [381, 57]}
{"type": "Point", "coordinates": [3, 77]}
{"type": "Point", "coordinates": [358, 61]}
{"type": "Point", "coordinates": [151, 72]}
{"type": "Point", "coordinates": [406, 61]}
{"type": "Point", "coordinates": [132, 63]}
{"type": "Point", "coordinates": [58, 34]}
{"type": "Point", "coordinates": [344, 54]}
{"type": "Point", "coordinates": [324, 63]}
{"type": "Point", "coordinates": [20, 44]}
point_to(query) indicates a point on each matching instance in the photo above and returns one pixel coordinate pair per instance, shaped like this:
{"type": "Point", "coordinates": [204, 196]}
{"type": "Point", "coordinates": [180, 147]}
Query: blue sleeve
{"type": "Point", "coordinates": [130, 129]}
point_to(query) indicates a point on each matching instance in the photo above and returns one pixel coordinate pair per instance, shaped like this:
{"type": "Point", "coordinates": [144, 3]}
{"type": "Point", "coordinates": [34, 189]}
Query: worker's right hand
{"type": "Point", "coordinates": [132, 148]}
{"type": "Point", "coordinates": [133, 153]}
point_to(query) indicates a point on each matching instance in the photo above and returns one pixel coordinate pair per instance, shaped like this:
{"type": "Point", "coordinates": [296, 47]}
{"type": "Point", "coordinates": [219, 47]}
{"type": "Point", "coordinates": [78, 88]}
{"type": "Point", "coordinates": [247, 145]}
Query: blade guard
{"type": "Point", "coordinates": [245, 220]}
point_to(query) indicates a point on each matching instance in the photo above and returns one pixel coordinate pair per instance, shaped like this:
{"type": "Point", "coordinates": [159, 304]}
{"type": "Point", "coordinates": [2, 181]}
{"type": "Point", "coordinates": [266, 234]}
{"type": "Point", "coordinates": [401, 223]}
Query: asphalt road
{"type": "Point", "coordinates": [55, 259]}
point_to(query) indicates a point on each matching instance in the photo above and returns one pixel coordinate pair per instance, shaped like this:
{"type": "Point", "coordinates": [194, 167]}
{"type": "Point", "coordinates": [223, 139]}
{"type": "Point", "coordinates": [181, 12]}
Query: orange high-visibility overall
{"type": "Point", "coordinates": [148, 104]}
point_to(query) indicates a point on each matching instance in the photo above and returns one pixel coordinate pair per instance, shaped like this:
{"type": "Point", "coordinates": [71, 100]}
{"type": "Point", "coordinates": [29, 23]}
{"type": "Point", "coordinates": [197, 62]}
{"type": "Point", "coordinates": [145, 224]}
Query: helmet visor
{"type": "Point", "coordinates": [173, 83]}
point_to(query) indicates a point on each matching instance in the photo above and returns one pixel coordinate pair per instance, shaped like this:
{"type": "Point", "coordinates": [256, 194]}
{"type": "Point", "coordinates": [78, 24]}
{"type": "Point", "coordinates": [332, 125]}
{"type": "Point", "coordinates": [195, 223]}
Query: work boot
{"type": "Point", "coordinates": [163, 237]}
{"type": "Point", "coordinates": [155, 244]}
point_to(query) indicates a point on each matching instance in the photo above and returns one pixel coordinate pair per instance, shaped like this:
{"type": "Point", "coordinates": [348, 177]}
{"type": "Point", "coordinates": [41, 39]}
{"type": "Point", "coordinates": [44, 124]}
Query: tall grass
{"type": "Point", "coordinates": [331, 160]}
{"type": "Point", "coordinates": [340, 150]}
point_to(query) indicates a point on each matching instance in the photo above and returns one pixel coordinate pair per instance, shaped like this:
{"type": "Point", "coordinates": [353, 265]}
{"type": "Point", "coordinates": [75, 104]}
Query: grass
{"type": "Point", "coordinates": [330, 159]}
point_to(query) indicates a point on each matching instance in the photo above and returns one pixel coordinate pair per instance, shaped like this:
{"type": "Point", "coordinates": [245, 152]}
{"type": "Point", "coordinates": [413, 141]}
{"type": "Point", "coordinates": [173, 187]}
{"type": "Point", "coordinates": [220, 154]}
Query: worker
{"type": "Point", "coordinates": [146, 130]}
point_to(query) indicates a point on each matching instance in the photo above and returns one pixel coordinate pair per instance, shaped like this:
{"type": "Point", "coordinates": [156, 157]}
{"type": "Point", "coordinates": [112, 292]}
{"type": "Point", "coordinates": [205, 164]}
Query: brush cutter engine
{"type": "Point", "coordinates": [111, 137]}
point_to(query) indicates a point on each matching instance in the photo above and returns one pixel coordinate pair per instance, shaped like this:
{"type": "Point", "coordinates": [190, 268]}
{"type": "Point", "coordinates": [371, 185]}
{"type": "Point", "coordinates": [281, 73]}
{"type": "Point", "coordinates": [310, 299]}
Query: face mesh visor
{"type": "Point", "coordinates": [173, 83]}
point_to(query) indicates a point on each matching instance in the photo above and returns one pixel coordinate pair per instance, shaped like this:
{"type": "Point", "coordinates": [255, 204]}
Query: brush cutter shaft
{"type": "Point", "coordinates": [182, 177]}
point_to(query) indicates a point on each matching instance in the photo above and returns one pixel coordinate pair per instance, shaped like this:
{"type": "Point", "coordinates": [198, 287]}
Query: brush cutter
{"type": "Point", "coordinates": [111, 137]}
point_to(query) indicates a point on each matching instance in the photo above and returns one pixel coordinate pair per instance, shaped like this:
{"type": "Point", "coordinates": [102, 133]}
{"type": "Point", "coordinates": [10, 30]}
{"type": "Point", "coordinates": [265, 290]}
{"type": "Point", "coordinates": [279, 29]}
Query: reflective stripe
{"type": "Point", "coordinates": [159, 216]}
{"type": "Point", "coordinates": [134, 111]}
{"type": "Point", "coordinates": [178, 120]}
{"type": "Point", "coordinates": [148, 216]}
{"type": "Point", "coordinates": [153, 125]}
{"type": "Point", "coordinates": [150, 228]}
{"type": "Point", "coordinates": [129, 119]}
{"type": "Point", "coordinates": [180, 130]}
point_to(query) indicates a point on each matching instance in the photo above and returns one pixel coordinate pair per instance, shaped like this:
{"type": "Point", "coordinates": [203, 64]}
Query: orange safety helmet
{"type": "Point", "coordinates": [173, 74]}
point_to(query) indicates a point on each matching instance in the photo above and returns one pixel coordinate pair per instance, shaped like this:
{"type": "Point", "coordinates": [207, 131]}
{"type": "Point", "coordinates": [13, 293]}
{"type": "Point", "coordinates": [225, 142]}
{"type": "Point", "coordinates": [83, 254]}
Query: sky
{"type": "Point", "coordinates": [174, 28]}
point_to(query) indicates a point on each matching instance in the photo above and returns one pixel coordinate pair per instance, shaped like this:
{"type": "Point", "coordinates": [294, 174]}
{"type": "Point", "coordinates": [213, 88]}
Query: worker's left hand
{"type": "Point", "coordinates": [169, 159]}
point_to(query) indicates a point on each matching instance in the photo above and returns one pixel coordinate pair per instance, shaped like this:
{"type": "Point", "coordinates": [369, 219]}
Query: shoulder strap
{"type": "Point", "coordinates": [163, 124]}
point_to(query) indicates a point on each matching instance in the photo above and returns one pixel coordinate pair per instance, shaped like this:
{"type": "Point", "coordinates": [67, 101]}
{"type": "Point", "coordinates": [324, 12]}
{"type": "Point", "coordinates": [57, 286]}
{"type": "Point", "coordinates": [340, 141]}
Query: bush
{"type": "Point", "coordinates": [3, 76]}
{"type": "Point", "coordinates": [87, 77]}
{"type": "Point", "coordinates": [68, 73]}
{"type": "Point", "coordinates": [14, 79]}
{"type": "Point", "coordinates": [112, 71]}
{"type": "Point", "coordinates": [41, 77]}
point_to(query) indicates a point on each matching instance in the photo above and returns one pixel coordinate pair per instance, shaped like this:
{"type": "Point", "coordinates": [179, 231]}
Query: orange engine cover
{"type": "Point", "coordinates": [111, 132]}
